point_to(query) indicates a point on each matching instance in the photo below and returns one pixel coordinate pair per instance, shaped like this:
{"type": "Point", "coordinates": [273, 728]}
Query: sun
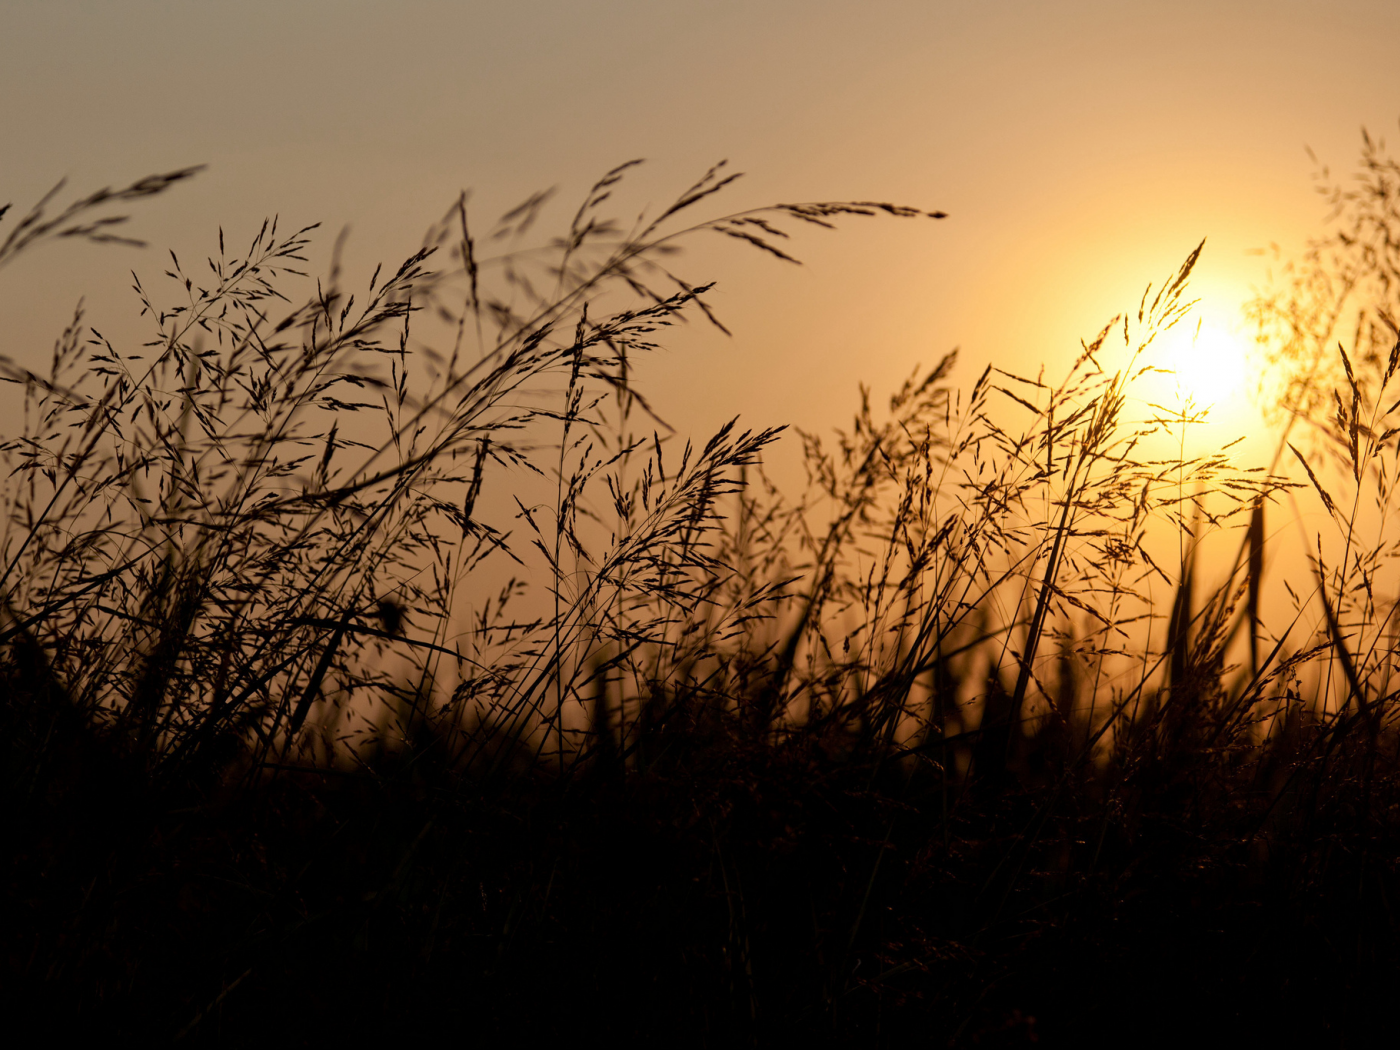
{"type": "Point", "coordinates": [1209, 365]}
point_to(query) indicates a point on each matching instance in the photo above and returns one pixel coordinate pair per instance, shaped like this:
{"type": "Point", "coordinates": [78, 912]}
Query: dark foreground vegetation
{"type": "Point", "coordinates": [966, 746]}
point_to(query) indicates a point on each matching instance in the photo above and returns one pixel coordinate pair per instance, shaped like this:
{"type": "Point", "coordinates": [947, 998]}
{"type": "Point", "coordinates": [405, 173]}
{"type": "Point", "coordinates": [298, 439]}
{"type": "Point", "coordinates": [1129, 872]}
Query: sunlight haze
{"type": "Point", "coordinates": [1081, 150]}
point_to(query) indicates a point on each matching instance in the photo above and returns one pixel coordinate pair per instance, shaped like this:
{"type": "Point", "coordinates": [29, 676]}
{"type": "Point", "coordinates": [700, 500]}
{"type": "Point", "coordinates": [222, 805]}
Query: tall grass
{"type": "Point", "coordinates": [376, 662]}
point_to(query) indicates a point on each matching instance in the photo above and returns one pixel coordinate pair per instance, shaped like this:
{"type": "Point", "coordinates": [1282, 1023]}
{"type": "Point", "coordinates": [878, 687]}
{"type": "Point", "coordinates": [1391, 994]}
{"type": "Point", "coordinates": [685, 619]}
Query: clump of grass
{"type": "Point", "coordinates": [920, 751]}
{"type": "Point", "coordinates": [208, 536]}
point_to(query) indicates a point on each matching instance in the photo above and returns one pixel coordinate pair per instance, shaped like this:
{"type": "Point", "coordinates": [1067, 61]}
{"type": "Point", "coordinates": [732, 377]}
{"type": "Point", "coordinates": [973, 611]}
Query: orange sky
{"type": "Point", "coordinates": [1081, 148]}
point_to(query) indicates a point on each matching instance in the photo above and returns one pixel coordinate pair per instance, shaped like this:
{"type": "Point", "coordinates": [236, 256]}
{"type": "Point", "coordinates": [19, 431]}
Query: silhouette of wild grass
{"type": "Point", "coordinates": [382, 663]}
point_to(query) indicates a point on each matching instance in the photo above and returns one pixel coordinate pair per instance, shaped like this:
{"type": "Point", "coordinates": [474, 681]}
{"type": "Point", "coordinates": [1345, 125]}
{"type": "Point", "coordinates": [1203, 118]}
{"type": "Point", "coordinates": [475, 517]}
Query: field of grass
{"type": "Point", "coordinates": [378, 664]}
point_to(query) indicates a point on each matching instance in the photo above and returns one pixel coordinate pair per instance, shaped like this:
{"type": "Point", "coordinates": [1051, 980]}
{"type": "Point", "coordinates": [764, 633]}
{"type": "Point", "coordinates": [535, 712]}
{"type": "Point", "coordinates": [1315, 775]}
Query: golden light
{"type": "Point", "coordinates": [1209, 365]}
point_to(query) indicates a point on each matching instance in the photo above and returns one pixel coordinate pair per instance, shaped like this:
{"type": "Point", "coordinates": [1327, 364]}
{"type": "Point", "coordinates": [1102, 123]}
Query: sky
{"type": "Point", "coordinates": [1081, 150]}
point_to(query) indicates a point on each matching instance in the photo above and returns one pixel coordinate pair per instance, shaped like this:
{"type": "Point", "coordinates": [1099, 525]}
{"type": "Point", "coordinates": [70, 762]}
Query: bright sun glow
{"type": "Point", "coordinates": [1209, 365]}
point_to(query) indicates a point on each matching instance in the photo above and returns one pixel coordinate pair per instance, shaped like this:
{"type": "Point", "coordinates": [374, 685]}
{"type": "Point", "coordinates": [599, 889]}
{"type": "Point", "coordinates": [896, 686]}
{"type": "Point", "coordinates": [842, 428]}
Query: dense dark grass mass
{"type": "Point", "coordinates": [732, 890]}
{"type": "Point", "coordinates": [291, 755]}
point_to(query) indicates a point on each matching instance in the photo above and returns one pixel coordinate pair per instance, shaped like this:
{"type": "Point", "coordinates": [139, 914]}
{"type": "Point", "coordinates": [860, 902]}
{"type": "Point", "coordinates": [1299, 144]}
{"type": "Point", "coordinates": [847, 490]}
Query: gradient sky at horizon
{"type": "Point", "coordinates": [1081, 148]}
